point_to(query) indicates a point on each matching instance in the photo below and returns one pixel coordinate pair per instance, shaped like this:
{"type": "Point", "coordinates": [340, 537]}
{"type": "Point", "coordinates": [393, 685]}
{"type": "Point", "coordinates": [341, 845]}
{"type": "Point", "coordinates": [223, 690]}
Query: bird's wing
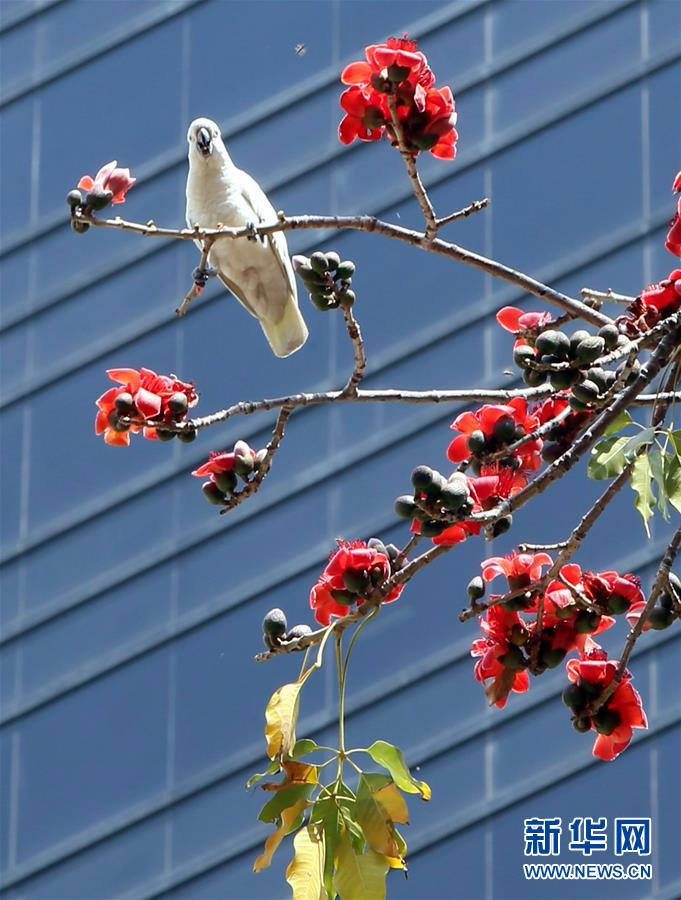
{"type": "Point", "coordinates": [263, 211]}
{"type": "Point", "coordinates": [238, 293]}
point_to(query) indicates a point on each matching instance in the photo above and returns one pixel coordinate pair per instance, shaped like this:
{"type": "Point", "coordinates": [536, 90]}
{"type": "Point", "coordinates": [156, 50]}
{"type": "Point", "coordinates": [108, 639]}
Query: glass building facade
{"type": "Point", "coordinates": [131, 709]}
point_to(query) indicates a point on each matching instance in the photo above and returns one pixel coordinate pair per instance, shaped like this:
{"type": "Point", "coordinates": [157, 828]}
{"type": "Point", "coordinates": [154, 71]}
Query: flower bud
{"type": "Point", "coordinates": [377, 544]}
{"type": "Point", "coordinates": [582, 724]}
{"type": "Point", "coordinates": [97, 199]}
{"type": "Point", "coordinates": [357, 581]}
{"type": "Point", "coordinates": [125, 404]}
{"type": "Point", "coordinates": [551, 657]}
{"type": "Point", "coordinates": [587, 391]}
{"type": "Point", "coordinates": [606, 720]}
{"type": "Point", "coordinates": [274, 623]}
{"type": "Point", "coordinates": [115, 423]}
{"type": "Point", "coordinates": [226, 481]}
{"type": "Point", "coordinates": [533, 378]}
{"type": "Point", "coordinates": [332, 260]}
{"type": "Point", "coordinates": [212, 493]}
{"type": "Point", "coordinates": [79, 227]}
{"type": "Point", "coordinates": [660, 618]}
{"type": "Point", "coordinates": [577, 405]}
{"type": "Point", "coordinates": [611, 335]}
{"type": "Point", "coordinates": [476, 442]}
{"type": "Point", "coordinates": [618, 604]}
{"type": "Point", "coordinates": [564, 379]}
{"type": "Point", "coordinates": [522, 354]}
{"type": "Point", "coordinates": [164, 435]}
{"type": "Point", "coordinates": [554, 342]}
{"type": "Point", "coordinates": [298, 631]}
{"type": "Point", "coordinates": [574, 697]}
{"type": "Point", "coordinates": [576, 338]}
{"type": "Point", "coordinates": [345, 270]}
{"type": "Point", "coordinates": [504, 430]}
{"type": "Point", "coordinates": [345, 598]}
{"type": "Point", "coordinates": [502, 525]}
{"type": "Point", "coordinates": [586, 621]}
{"type": "Point", "coordinates": [346, 299]}
{"type": "Point", "coordinates": [518, 635]}
{"type": "Point", "coordinates": [476, 588]}
{"type": "Point", "coordinates": [178, 405]}
{"type": "Point", "coordinates": [319, 262]}
{"type": "Point", "coordinates": [405, 507]}
{"type": "Point", "coordinates": [589, 349]}
{"type": "Point", "coordinates": [321, 301]}
{"type": "Point", "coordinates": [74, 198]}
{"type": "Point", "coordinates": [453, 496]}
{"type": "Point", "coordinates": [513, 659]}
{"type": "Point", "coordinates": [431, 528]}
{"type": "Point", "coordinates": [243, 466]}
{"type": "Point", "coordinates": [187, 435]}
{"type": "Point", "coordinates": [422, 477]}
{"type": "Point", "coordinates": [598, 377]}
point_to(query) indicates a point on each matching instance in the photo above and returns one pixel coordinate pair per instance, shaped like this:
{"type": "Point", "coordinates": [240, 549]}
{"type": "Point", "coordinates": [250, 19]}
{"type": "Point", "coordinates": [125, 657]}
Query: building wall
{"type": "Point", "coordinates": [132, 712]}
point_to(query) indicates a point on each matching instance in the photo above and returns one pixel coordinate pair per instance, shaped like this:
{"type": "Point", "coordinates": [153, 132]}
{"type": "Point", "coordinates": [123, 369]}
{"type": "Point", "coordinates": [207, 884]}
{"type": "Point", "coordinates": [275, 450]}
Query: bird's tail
{"type": "Point", "coordinates": [289, 333]}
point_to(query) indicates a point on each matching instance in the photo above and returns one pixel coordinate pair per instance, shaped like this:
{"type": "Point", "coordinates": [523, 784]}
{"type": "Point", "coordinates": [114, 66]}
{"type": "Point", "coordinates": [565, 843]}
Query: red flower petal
{"type": "Point", "coordinates": [147, 403]}
{"type": "Point", "coordinates": [356, 73]}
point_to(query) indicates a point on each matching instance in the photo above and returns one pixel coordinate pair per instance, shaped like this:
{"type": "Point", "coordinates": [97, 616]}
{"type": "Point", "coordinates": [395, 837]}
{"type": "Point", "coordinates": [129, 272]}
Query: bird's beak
{"type": "Point", "coordinates": [203, 142]}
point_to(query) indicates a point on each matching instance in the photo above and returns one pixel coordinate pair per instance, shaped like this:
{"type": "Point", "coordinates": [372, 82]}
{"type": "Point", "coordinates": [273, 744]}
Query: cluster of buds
{"type": "Point", "coordinates": [110, 185]}
{"type": "Point", "coordinates": [224, 468]}
{"type": "Point", "coordinates": [613, 721]}
{"type": "Point", "coordinates": [491, 429]}
{"type": "Point", "coordinates": [276, 633]}
{"type": "Point", "coordinates": [144, 401]}
{"type": "Point", "coordinates": [666, 610]}
{"type": "Point", "coordinates": [354, 572]}
{"type": "Point", "coordinates": [436, 500]}
{"type": "Point", "coordinates": [561, 437]}
{"type": "Point", "coordinates": [327, 279]}
{"type": "Point", "coordinates": [397, 73]}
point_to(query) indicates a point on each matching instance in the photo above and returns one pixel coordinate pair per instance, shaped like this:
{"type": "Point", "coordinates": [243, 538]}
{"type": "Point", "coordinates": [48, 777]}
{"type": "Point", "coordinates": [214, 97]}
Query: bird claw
{"type": "Point", "coordinates": [252, 231]}
{"type": "Point", "coordinates": [201, 276]}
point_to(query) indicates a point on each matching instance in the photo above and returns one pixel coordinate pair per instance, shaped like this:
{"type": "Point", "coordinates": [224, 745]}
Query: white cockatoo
{"type": "Point", "coordinates": [258, 272]}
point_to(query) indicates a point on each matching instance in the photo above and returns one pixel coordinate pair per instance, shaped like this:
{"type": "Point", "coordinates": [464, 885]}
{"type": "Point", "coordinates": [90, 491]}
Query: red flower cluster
{"type": "Point", "coordinates": [109, 180]}
{"type": "Point", "coordinates": [399, 70]}
{"type": "Point", "coordinates": [516, 321]}
{"type": "Point", "coordinates": [492, 427]}
{"type": "Point", "coordinates": [622, 712]}
{"type": "Point", "coordinates": [222, 469]}
{"type": "Point", "coordinates": [673, 242]}
{"type": "Point", "coordinates": [506, 650]}
{"type": "Point", "coordinates": [352, 572]}
{"type": "Point", "coordinates": [656, 302]}
{"type": "Point", "coordinates": [494, 484]}
{"type": "Point", "coordinates": [145, 395]}
{"type": "Point", "coordinates": [565, 432]}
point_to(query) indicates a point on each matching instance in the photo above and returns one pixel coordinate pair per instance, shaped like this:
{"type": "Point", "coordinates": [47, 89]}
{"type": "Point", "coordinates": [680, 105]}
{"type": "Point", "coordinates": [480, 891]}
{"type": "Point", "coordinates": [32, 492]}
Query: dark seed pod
{"type": "Point", "coordinates": [660, 618]}
{"type": "Point", "coordinates": [476, 588]}
{"type": "Point", "coordinates": [431, 528]}
{"type": "Point", "coordinates": [551, 657]}
{"type": "Point", "coordinates": [178, 405]}
{"type": "Point", "coordinates": [346, 299]}
{"type": "Point", "coordinates": [598, 377]}
{"type": "Point", "coordinates": [513, 659]}
{"type": "Point", "coordinates": [453, 496]}
{"type": "Point", "coordinates": [405, 507]}
{"type": "Point", "coordinates": [565, 612]}
{"type": "Point", "coordinates": [576, 338]}
{"type": "Point", "coordinates": [518, 635]}
{"type": "Point", "coordinates": [74, 198]}
{"type": "Point", "coordinates": [345, 270]}
{"type": "Point", "coordinates": [213, 494]}
{"type": "Point", "coordinates": [502, 525]}
{"type": "Point", "coordinates": [666, 602]}
{"type": "Point", "coordinates": [533, 378]}
{"type": "Point", "coordinates": [590, 349]}
{"type": "Point", "coordinates": [522, 355]}
{"type": "Point", "coordinates": [226, 481]}
{"type": "Point", "coordinates": [274, 624]}
{"type": "Point", "coordinates": [307, 273]}
{"type": "Point", "coordinates": [549, 359]}
{"type": "Point", "coordinates": [115, 423]}
{"type": "Point", "coordinates": [377, 544]}
{"type": "Point", "coordinates": [397, 74]}
{"type": "Point", "coordinates": [606, 720]}
{"type": "Point", "coordinates": [125, 404]}
{"type": "Point", "coordinates": [332, 260]}
{"type": "Point", "coordinates": [422, 477]}
{"type": "Point", "coordinates": [586, 621]}
{"type": "Point", "coordinates": [618, 604]}
{"type": "Point", "coordinates": [163, 434]}
{"type": "Point", "coordinates": [321, 301]}
{"type": "Point", "coordinates": [434, 490]}
{"type": "Point", "coordinates": [392, 551]}
{"type": "Point", "coordinates": [97, 199]}
{"type": "Point", "coordinates": [476, 442]}
{"type": "Point", "coordinates": [504, 429]}
{"type": "Point", "coordinates": [187, 435]}
{"type": "Point", "coordinates": [298, 631]}
{"type": "Point", "coordinates": [574, 697]}
{"type": "Point", "coordinates": [564, 379]}
{"type": "Point", "coordinates": [587, 391]}
{"type": "Point", "coordinates": [79, 227]}
{"type": "Point", "coordinates": [357, 581]}
{"type": "Point", "coordinates": [582, 724]}
{"type": "Point", "coordinates": [554, 342]}
{"type": "Point", "coordinates": [243, 466]}
{"type": "Point", "coordinates": [319, 262]}
{"type": "Point", "coordinates": [577, 405]}
{"type": "Point", "coordinates": [610, 334]}
{"type": "Point", "coordinates": [345, 598]}
{"type": "Point", "coordinates": [551, 452]}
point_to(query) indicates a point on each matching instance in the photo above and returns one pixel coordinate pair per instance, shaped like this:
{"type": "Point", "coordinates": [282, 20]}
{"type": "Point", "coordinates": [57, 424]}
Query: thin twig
{"type": "Point", "coordinates": [355, 334]}
{"type": "Point", "coordinates": [199, 282]}
{"type": "Point", "coordinates": [473, 207]}
{"type": "Point", "coordinates": [410, 164]}
{"type": "Point", "coordinates": [611, 296]}
{"type": "Point", "coordinates": [265, 464]}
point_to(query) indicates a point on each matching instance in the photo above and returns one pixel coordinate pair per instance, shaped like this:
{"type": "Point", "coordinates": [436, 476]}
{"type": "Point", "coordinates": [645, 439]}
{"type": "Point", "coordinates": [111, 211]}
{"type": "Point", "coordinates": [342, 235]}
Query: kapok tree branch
{"type": "Point", "coordinates": [355, 334]}
{"type": "Point", "coordinates": [575, 308]}
{"type": "Point", "coordinates": [410, 165]}
{"type": "Point", "coordinates": [200, 276]}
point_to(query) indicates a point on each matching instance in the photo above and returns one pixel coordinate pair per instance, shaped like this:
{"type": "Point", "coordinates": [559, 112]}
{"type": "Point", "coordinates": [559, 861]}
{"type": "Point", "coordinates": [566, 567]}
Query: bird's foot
{"type": "Point", "coordinates": [252, 231]}
{"type": "Point", "coordinates": [201, 276]}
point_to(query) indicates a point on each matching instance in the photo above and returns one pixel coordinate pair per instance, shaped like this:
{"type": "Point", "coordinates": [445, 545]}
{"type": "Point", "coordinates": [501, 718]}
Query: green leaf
{"type": "Point", "coordinates": [640, 482]}
{"type": "Point", "coordinates": [284, 798]}
{"type": "Point", "coordinates": [326, 817]}
{"type": "Point", "coordinates": [645, 436]}
{"type": "Point", "coordinates": [359, 876]}
{"type": "Point", "coordinates": [290, 818]}
{"type": "Point", "coordinates": [622, 420]}
{"type": "Point", "coordinates": [657, 463]}
{"type": "Point", "coordinates": [391, 758]}
{"type": "Point", "coordinates": [272, 769]}
{"type": "Point", "coordinates": [607, 458]}
{"type": "Point", "coordinates": [305, 872]}
{"type": "Point", "coordinates": [672, 481]}
{"type": "Point", "coordinates": [303, 747]}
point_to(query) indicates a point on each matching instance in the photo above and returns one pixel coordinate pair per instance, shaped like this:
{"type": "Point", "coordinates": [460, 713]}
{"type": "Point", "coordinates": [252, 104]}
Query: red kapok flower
{"type": "Point", "coordinates": [151, 399]}
{"type": "Point", "coordinates": [602, 587]}
{"type": "Point", "coordinates": [495, 649]}
{"type": "Point", "coordinates": [485, 419]}
{"type": "Point", "coordinates": [367, 566]}
{"type": "Point", "coordinates": [109, 178]}
{"type": "Point", "coordinates": [633, 614]}
{"type": "Point", "coordinates": [225, 460]}
{"type": "Point", "coordinates": [565, 431]}
{"type": "Point", "coordinates": [673, 242]}
{"type": "Point", "coordinates": [665, 296]}
{"type": "Point", "coordinates": [521, 569]}
{"type": "Point", "coordinates": [515, 320]}
{"type": "Point", "coordinates": [624, 708]}
{"type": "Point", "coordinates": [400, 52]}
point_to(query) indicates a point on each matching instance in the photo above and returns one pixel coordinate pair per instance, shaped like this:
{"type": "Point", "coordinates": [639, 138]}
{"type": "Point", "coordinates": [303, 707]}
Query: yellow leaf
{"type": "Point", "coordinates": [394, 804]}
{"type": "Point", "coordinates": [359, 876]}
{"type": "Point", "coordinates": [305, 872]}
{"type": "Point", "coordinates": [288, 817]}
{"type": "Point", "coordinates": [375, 821]}
{"type": "Point", "coordinates": [280, 720]}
